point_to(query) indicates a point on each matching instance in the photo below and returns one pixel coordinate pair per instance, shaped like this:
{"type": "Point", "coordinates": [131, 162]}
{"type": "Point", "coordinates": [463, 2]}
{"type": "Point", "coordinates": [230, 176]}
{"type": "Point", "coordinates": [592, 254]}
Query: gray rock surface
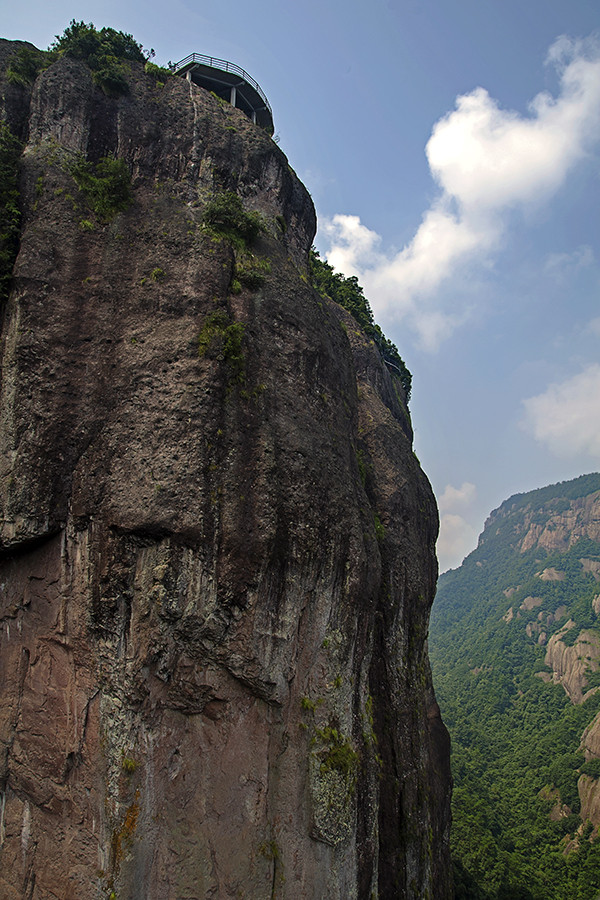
{"type": "Point", "coordinates": [216, 576]}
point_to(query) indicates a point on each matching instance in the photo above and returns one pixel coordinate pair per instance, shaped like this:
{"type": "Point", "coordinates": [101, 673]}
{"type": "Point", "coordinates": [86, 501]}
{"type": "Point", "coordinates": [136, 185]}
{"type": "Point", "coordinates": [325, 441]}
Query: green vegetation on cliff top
{"type": "Point", "coordinates": [516, 735]}
{"type": "Point", "coordinates": [349, 294]}
{"type": "Point", "coordinates": [106, 185]}
{"type": "Point", "coordinates": [104, 50]}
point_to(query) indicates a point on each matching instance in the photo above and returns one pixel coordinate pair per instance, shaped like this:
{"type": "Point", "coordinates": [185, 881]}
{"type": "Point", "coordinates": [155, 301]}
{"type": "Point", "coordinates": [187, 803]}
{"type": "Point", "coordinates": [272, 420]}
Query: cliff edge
{"type": "Point", "coordinates": [217, 546]}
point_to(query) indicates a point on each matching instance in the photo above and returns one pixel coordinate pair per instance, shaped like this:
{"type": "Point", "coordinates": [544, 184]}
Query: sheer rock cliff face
{"type": "Point", "coordinates": [559, 530]}
{"type": "Point", "coordinates": [572, 666]}
{"type": "Point", "coordinates": [215, 578]}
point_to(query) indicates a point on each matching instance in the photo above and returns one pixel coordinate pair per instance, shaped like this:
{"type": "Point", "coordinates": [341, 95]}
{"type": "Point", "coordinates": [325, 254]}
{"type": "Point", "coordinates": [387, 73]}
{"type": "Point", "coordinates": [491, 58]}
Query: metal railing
{"type": "Point", "coordinates": [224, 66]}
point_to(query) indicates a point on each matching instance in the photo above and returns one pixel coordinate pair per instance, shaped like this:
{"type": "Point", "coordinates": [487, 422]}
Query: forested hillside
{"type": "Point", "coordinates": [515, 651]}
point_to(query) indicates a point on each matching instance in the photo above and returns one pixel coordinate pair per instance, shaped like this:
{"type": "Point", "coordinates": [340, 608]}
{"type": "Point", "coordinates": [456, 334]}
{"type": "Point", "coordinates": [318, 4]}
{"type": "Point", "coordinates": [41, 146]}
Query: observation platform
{"type": "Point", "coordinates": [229, 82]}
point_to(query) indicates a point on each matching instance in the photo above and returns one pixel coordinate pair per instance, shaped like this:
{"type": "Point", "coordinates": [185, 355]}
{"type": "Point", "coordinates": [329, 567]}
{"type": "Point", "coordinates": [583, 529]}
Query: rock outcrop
{"type": "Point", "coordinates": [589, 794]}
{"type": "Point", "coordinates": [561, 525]}
{"type": "Point", "coordinates": [571, 665]}
{"type": "Point", "coordinates": [217, 566]}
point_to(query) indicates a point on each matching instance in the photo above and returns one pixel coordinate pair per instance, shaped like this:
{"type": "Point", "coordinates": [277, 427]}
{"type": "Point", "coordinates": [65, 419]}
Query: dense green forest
{"type": "Point", "coordinates": [516, 735]}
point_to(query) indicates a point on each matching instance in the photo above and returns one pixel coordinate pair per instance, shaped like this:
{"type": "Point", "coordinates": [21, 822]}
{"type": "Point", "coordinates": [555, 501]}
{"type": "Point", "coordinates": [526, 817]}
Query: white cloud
{"type": "Point", "coordinates": [485, 161]}
{"type": "Point", "coordinates": [453, 497]}
{"type": "Point", "coordinates": [457, 537]}
{"type": "Point", "coordinates": [558, 264]}
{"type": "Point", "coordinates": [566, 417]}
{"type": "Point", "coordinates": [354, 245]}
{"type": "Point", "coordinates": [401, 287]}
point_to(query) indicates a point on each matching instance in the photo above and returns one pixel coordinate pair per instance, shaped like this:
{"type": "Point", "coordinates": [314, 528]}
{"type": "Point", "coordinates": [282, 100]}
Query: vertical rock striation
{"type": "Point", "coordinates": [216, 566]}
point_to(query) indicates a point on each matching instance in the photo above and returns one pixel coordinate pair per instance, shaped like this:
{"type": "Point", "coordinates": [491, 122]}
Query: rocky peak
{"type": "Point", "coordinates": [553, 518]}
{"type": "Point", "coordinates": [571, 665]}
{"type": "Point", "coordinates": [217, 546]}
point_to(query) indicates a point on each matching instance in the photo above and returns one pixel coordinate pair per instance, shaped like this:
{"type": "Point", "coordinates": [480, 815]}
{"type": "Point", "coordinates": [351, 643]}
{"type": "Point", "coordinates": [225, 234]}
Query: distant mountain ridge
{"type": "Point", "coordinates": [515, 651]}
{"type": "Point", "coordinates": [568, 510]}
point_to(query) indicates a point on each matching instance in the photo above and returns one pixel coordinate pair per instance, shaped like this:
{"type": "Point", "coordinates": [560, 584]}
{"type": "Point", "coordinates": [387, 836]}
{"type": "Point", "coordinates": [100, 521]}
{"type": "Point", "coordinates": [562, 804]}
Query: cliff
{"type": "Point", "coordinates": [549, 523]}
{"type": "Point", "coordinates": [217, 545]}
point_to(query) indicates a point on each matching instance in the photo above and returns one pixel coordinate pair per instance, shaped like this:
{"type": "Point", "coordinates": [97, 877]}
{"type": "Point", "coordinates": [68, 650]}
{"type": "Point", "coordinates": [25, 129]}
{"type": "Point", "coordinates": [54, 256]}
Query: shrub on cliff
{"type": "Point", "coordinates": [105, 51]}
{"type": "Point", "coordinates": [222, 339]}
{"type": "Point", "coordinates": [106, 185]}
{"type": "Point", "coordinates": [226, 217]}
{"type": "Point", "coordinates": [349, 294]}
{"type": "Point", "coordinates": [10, 214]}
{"type": "Point", "coordinates": [25, 64]}
{"type": "Point", "coordinates": [158, 73]}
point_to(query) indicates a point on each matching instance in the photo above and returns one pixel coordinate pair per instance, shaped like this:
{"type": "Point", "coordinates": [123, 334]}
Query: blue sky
{"type": "Point", "coordinates": [452, 150]}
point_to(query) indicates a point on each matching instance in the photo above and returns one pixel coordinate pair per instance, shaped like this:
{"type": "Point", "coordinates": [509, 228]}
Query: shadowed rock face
{"type": "Point", "coordinates": [215, 578]}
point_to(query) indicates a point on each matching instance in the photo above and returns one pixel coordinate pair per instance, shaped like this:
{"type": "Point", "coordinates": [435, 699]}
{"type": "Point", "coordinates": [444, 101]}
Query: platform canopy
{"type": "Point", "coordinates": [229, 82]}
